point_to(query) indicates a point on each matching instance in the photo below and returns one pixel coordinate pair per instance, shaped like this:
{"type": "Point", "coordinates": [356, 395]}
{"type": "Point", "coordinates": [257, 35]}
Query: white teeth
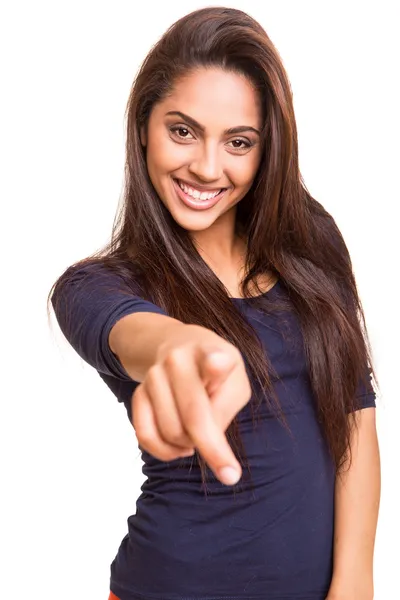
{"type": "Point", "coordinates": [196, 193]}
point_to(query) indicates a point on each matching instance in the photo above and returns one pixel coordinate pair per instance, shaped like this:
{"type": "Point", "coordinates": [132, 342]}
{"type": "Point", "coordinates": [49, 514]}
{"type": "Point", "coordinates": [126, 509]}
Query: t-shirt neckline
{"type": "Point", "coordinates": [271, 289]}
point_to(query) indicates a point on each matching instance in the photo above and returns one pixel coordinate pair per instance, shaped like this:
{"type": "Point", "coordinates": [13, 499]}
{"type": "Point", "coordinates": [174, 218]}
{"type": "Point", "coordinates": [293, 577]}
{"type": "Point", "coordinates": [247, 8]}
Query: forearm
{"type": "Point", "coordinates": [357, 496]}
{"type": "Point", "coordinates": [135, 340]}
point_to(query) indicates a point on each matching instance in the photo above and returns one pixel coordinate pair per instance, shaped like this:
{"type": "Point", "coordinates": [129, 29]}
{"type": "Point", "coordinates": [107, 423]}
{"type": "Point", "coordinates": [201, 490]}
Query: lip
{"type": "Point", "coordinates": [192, 203]}
{"type": "Point", "coordinates": [201, 188]}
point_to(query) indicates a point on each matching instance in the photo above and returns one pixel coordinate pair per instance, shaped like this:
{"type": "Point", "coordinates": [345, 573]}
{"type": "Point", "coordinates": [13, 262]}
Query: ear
{"type": "Point", "coordinates": [143, 136]}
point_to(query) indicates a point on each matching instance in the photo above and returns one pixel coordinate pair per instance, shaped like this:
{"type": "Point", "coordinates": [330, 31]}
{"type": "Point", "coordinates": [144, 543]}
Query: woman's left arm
{"type": "Point", "coordinates": [357, 496]}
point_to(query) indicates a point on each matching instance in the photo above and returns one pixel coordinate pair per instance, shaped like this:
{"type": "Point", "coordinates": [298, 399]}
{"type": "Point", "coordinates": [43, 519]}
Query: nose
{"type": "Point", "coordinates": [206, 164]}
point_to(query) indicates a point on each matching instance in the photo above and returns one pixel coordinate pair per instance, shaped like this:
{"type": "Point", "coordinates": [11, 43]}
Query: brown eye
{"type": "Point", "coordinates": [237, 146]}
{"type": "Point", "coordinates": [180, 132]}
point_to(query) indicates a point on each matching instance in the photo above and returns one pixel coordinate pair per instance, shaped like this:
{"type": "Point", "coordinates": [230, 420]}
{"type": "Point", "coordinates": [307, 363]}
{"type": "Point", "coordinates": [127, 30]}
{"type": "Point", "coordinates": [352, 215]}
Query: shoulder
{"type": "Point", "coordinates": [97, 273]}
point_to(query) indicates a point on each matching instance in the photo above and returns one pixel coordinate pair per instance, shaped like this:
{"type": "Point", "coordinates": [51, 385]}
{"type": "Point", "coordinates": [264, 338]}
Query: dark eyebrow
{"type": "Point", "coordinates": [193, 123]}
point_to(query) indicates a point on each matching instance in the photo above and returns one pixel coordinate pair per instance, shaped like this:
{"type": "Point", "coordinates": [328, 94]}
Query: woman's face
{"type": "Point", "coordinates": [205, 138]}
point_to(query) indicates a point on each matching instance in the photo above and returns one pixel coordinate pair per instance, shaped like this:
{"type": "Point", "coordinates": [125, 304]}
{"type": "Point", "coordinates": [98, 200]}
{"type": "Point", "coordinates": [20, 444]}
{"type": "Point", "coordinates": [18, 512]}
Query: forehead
{"type": "Point", "coordinates": [216, 99]}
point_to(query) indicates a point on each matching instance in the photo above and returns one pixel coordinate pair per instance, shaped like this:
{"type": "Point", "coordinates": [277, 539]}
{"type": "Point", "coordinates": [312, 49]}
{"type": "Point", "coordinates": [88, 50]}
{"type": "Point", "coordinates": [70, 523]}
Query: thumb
{"type": "Point", "coordinates": [216, 367]}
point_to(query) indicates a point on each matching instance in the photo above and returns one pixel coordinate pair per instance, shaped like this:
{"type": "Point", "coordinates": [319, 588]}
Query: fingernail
{"type": "Point", "coordinates": [229, 475]}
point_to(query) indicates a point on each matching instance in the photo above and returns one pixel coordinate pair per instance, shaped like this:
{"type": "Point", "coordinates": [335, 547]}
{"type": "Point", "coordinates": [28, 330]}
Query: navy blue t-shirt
{"type": "Point", "coordinates": [273, 539]}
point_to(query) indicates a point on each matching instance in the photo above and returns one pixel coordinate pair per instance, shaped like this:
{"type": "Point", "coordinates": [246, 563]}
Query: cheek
{"type": "Point", "coordinates": [244, 171]}
{"type": "Point", "coordinates": [163, 155]}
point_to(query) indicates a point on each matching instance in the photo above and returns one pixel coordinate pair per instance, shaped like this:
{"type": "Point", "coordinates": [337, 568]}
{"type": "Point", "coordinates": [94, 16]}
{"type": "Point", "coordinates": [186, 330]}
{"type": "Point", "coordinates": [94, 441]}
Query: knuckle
{"type": "Point", "coordinates": [174, 357]}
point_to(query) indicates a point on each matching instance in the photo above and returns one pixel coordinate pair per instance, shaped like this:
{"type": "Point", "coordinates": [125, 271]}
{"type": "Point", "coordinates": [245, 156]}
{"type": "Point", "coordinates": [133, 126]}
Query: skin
{"type": "Point", "coordinates": [218, 100]}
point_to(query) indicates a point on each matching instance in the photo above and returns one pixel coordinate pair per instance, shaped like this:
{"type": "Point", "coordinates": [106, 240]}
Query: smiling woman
{"type": "Point", "coordinates": [208, 144]}
{"type": "Point", "coordinates": [225, 315]}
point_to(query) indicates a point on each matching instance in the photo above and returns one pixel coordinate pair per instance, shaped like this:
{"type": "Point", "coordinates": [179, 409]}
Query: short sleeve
{"type": "Point", "coordinates": [366, 397]}
{"type": "Point", "coordinates": [87, 304]}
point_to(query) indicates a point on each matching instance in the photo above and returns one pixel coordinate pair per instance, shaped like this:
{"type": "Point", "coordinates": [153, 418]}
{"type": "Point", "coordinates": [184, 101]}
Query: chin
{"type": "Point", "coordinates": [195, 223]}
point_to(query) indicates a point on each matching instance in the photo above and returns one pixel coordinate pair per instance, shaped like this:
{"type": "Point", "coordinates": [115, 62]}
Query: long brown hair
{"type": "Point", "coordinates": [288, 232]}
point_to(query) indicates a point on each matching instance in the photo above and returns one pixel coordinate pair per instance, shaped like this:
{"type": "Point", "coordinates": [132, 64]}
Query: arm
{"type": "Point", "coordinates": [357, 496]}
{"type": "Point", "coordinates": [148, 330]}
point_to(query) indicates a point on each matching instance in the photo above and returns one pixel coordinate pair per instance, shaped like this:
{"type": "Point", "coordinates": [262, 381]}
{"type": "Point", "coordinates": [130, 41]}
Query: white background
{"type": "Point", "coordinates": [70, 468]}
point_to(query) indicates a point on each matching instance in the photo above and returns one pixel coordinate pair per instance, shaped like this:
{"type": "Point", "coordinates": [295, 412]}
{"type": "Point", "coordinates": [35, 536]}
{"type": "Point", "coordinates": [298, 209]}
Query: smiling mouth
{"type": "Point", "coordinates": [197, 203]}
{"type": "Point", "coordinates": [196, 194]}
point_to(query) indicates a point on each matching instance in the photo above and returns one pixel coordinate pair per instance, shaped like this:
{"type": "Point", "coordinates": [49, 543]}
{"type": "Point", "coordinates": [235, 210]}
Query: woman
{"type": "Point", "coordinates": [224, 314]}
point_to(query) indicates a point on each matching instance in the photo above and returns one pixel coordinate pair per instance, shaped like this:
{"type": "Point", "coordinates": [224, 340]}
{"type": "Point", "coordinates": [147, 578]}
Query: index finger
{"type": "Point", "coordinates": [197, 417]}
